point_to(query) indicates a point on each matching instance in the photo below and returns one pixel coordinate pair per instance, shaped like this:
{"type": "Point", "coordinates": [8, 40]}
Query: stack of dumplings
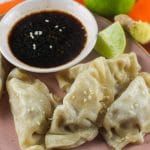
{"type": "Point", "coordinates": [106, 96]}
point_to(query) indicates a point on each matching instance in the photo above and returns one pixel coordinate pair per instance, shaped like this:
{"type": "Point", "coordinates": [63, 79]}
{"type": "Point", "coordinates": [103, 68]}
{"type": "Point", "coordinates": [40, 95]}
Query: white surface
{"type": "Point", "coordinates": [30, 6]}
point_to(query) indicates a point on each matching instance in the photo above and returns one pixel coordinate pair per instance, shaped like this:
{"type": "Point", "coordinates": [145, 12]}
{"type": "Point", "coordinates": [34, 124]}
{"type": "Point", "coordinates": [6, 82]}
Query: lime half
{"type": "Point", "coordinates": [111, 42]}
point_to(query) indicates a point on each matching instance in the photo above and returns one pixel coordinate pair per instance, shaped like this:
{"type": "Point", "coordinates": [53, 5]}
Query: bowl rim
{"type": "Point", "coordinates": [71, 63]}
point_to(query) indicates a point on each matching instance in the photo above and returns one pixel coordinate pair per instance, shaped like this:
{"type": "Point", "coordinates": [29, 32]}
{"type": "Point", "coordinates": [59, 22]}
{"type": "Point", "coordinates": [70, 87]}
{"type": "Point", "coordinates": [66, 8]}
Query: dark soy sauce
{"type": "Point", "coordinates": [47, 39]}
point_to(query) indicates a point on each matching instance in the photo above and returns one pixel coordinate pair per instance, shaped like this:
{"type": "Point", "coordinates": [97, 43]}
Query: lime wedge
{"type": "Point", "coordinates": [111, 42]}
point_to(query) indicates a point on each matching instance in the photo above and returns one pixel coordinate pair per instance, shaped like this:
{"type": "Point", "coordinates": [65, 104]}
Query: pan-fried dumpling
{"type": "Point", "coordinates": [4, 69]}
{"type": "Point", "coordinates": [31, 106]}
{"type": "Point", "coordinates": [128, 119]}
{"type": "Point", "coordinates": [125, 67]}
{"type": "Point", "coordinates": [85, 104]}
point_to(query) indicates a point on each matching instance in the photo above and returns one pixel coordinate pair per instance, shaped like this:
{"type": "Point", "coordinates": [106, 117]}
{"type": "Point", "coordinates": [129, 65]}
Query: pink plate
{"type": "Point", "coordinates": [8, 137]}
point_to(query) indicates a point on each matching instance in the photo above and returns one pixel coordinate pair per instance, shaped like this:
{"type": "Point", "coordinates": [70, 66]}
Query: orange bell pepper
{"type": "Point", "coordinates": [141, 11]}
{"type": "Point", "coordinates": [4, 7]}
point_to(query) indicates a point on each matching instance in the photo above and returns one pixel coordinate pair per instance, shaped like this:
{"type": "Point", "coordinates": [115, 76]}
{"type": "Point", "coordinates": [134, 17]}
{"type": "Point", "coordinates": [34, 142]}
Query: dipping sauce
{"type": "Point", "coordinates": [47, 39]}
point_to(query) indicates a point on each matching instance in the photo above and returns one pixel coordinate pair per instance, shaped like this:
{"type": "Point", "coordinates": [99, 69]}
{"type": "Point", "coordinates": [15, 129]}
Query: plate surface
{"type": "Point", "coordinates": [8, 137]}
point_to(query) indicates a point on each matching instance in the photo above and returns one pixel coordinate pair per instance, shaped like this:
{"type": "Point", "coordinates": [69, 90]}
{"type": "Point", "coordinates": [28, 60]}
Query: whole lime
{"type": "Point", "coordinates": [109, 8]}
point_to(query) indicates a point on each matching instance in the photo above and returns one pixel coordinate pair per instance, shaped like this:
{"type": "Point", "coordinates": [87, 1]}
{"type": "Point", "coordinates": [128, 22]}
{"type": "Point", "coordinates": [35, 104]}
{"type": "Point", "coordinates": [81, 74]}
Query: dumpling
{"type": "Point", "coordinates": [128, 119]}
{"type": "Point", "coordinates": [124, 67]}
{"type": "Point", "coordinates": [86, 102]}
{"type": "Point", "coordinates": [72, 122]}
{"type": "Point", "coordinates": [31, 106]}
{"type": "Point", "coordinates": [4, 69]}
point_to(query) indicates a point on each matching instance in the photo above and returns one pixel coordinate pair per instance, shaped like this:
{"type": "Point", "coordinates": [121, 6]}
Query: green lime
{"type": "Point", "coordinates": [111, 42]}
{"type": "Point", "coordinates": [109, 8]}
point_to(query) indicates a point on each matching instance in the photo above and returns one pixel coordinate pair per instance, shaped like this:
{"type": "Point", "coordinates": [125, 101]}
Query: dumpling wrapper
{"type": "Point", "coordinates": [31, 106]}
{"type": "Point", "coordinates": [124, 67]}
{"type": "Point", "coordinates": [128, 118]}
{"type": "Point", "coordinates": [85, 104]}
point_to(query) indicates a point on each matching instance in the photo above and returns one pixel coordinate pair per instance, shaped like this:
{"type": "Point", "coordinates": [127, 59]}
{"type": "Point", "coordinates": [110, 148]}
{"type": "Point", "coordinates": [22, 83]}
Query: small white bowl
{"type": "Point", "coordinates": [31, 6]}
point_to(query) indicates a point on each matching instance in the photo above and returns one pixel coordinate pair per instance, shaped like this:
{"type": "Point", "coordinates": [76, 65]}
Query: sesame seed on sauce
{"type": "Point", "coordinates": [31, 35]}
{"type": "Point", "coordinates": [50, 46]}
{"type": "Point", "coordinates": [40, 32]}
{"type": "Point", "coordinates": [60, 30]}
{"type": "Point", "coordinates": [34, 46]}
{"type": "Point", "coordinates": [36, 33]}
{"type": "Point", "coordinates": [46, 20]}
{"type": "Point", "coordinates": [56, 26]}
